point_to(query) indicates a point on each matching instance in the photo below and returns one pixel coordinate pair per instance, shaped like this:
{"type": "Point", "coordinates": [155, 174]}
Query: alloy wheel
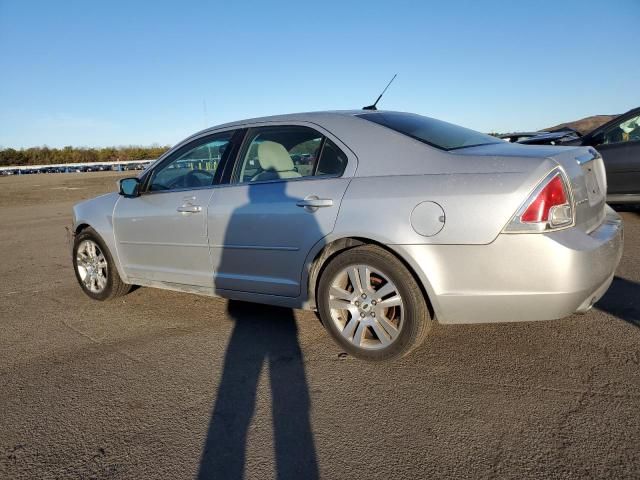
{"type": "Point", "coordinates": [366, 307]}
{"type": "Point", "coordinates": [92, 266]}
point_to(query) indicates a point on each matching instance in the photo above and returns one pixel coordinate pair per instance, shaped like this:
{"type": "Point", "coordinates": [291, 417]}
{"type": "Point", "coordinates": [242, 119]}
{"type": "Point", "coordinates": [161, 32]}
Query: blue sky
{"type": "Point", "coordinates": [119, 73]}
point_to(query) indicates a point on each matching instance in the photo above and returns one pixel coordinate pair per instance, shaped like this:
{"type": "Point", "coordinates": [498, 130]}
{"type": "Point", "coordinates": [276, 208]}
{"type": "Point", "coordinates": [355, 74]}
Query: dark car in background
{"type": "Point", "coordinates": [618, 141]}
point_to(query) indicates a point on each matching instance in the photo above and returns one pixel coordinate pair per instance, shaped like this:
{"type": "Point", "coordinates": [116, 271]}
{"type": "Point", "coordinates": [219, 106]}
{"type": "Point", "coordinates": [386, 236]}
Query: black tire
{"type": "Point", "coordinates": [417, 319]}
{"type": "Point", "coordinates": [115, 287]}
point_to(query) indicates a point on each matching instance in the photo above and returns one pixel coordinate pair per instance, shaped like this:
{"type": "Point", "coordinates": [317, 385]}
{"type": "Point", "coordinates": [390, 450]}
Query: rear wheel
{"type": "Point", "coordinates": [95, 269]}
{"type": "Point", "coordinates": [372, 305]}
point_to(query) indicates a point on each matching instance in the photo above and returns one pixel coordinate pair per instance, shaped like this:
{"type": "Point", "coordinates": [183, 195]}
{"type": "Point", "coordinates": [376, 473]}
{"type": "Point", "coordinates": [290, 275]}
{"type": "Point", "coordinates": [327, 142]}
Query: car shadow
{"type": "Point", "coordinates": [261, 334]}
{"type": "Point", "coordinates": [622, 300]}
{"type": "Point", "coordinates": [629, 208]}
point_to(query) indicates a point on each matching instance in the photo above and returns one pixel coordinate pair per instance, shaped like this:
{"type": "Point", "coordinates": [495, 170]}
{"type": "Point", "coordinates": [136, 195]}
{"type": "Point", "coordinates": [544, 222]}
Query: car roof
{"type": "Point", "coordinates": [289, 117]}
{"type": "Point", "coordinates": [321, 118]}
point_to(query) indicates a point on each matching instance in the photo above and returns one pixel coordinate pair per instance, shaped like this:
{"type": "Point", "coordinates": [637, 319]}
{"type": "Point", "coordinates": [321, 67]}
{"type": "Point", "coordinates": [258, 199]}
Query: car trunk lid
{"type": "Point", "coordinates": [583, 166]}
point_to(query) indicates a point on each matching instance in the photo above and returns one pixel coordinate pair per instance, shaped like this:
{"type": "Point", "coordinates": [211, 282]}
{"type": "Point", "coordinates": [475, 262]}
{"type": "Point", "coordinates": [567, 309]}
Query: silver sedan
{"type": "Point", "coordinates": [382, 222]}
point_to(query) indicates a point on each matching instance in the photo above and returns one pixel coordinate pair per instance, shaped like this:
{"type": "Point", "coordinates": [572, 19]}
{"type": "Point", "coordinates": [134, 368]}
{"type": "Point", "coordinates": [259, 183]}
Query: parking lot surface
{"type": "Point", "coordinates": [166, 385]}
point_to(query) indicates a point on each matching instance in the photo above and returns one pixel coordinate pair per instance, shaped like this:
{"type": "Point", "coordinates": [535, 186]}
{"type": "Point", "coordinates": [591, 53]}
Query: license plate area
{"type": "Point", "coordinates": [594, 189]}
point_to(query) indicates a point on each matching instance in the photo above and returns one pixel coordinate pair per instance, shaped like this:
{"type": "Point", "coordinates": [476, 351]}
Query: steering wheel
{"type": "Point", "coordinates": [193, 179]}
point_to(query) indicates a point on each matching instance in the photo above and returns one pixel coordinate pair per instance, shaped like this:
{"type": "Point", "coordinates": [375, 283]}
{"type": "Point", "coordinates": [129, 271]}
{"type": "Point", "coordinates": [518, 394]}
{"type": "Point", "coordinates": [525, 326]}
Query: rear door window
{"type": "Point", "coordinates": [286, 153]}
{"type": "Point", "coordinates": [332, 160]}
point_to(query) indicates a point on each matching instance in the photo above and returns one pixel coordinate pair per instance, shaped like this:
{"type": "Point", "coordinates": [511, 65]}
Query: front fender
{"type": "Point", "coordinates": [97, 213]}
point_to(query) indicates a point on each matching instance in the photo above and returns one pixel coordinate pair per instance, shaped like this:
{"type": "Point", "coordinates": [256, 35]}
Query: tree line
{"type": "Point", "coordinates": [50, 156]}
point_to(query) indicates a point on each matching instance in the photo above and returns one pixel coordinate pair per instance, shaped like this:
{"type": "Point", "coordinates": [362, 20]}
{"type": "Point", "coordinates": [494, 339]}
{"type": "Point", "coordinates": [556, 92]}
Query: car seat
{"type": "Point", "coordinates": [275, 163]}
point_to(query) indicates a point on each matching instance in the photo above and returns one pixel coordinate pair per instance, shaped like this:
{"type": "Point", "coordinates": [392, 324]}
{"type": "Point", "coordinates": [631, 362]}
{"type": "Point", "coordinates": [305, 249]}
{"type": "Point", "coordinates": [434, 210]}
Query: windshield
{"type": "Point", "coordinates": [436, 133]}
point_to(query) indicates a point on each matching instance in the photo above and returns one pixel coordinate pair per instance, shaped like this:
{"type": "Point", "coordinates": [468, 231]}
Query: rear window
{"type": "Point", "coordinates": [436, 133]}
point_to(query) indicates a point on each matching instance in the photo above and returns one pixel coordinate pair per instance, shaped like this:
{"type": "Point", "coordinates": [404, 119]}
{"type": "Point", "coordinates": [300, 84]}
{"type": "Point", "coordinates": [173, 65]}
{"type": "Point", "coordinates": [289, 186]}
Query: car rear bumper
{"type": "Point", "coordinates": [520, 277]}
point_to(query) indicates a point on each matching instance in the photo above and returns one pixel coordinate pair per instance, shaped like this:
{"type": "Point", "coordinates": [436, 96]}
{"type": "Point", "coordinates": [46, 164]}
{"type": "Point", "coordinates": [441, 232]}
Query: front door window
{"type": "Point", "coordinates": [194, 168]}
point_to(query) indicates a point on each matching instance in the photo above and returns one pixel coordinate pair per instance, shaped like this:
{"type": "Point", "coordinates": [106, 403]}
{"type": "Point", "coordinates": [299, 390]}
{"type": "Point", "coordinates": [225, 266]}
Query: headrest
{"type": "Point", "coordinates": [273, 156]}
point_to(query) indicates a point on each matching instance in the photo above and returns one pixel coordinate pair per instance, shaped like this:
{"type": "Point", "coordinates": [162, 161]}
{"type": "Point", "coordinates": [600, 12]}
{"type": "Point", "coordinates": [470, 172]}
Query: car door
{"type": "Point", "coordinates": [283, 199]}
{"type": "Point", "coordinates": [161, 235]}
{"type": "Point", "coordinates": [619, 145]}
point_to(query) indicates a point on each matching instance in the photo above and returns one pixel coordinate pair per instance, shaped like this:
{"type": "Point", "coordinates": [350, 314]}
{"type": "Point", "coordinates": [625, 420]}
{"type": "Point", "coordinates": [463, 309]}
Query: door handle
{"type": "Point", "coordinates": [315, 202]}
{"type": "Point", "coordinates": [189, 209]}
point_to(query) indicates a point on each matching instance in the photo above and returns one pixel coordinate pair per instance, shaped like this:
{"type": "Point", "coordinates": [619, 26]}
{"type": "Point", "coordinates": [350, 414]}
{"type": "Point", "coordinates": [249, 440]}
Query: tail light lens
{"type": "Point", "coordinates": [552, 195]}
{"type": "Point", "coordinates": [548, 208]}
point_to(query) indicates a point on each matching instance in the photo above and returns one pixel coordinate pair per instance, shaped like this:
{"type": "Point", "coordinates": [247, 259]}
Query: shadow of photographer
{"type": "Point", "coordinates": [262, 335]}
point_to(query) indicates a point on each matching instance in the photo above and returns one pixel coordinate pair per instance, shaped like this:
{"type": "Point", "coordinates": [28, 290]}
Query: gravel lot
{"type": "Point", "coordinates": [169, 386]}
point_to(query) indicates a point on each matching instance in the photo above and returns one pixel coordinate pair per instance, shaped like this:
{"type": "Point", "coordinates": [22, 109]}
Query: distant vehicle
{"type": "Point", "coordinates": [518, 136]}
{"type": "Point", "coordinates": [618, 141]}
{"type": "Point", "coordinates": [400, 219]}
{"type": "Point", "coordinates": [553, 137]}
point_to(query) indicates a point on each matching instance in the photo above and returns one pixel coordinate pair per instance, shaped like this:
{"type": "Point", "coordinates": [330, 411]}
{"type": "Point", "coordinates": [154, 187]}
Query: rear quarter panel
{"type": "Point", "coordinates": [476, 206]}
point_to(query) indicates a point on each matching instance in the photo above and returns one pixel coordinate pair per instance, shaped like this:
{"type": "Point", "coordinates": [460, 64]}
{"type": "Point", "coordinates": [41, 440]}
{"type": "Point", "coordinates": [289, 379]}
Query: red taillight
{"type": "Point", "coordinates": [551, 195]}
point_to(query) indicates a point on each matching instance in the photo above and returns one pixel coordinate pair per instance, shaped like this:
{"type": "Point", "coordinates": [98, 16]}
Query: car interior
{"type": "Point", "coordinates": [627, 131]}
{"type": "Point", "coordinates": [195, 168]}
{"type": "Point", "coordinates": [274, 162]}
{"type": "Point", "coordinates": [276, 153]}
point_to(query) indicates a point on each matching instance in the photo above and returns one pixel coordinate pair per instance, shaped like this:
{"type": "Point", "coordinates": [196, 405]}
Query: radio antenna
{"type": "Point", "coordinates": [204, 113]}
{"type": "Point", "coordinates": [373, 107]}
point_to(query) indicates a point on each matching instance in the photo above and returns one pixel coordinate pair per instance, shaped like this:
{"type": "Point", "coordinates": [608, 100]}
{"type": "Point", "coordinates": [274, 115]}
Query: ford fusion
{"type": "Point", "coordinates": [382, 222]}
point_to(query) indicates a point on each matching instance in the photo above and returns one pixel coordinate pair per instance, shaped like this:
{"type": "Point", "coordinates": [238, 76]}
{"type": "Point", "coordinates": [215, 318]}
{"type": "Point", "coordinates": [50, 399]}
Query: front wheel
{"type": "Point", "coordinates": [372, 305]}
{"type": "Point", "coordinates": [94, 267]}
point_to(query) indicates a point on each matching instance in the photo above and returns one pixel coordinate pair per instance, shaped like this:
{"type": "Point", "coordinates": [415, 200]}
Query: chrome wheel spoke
{"type": "Point", "coordinates": [349, 328]}
{"type": "Point", "coordinates": [342, 299]}
{"type": "Point", "coordinates": [388, 327]}
{"type": "Point", "coordinates": [381, 333]}
{"type": "Point", "coordinates": [364, 275]}
{"type": "Point", "coordinates": [339, 304]}
{"type": "Point", "coordinates": [340, 294]}
{"type": "Point", "coordinates": [82, 271]}
{"type": "Point", "coordinates": [354, 278]}
{"type": "Point", "coordinates": [101, 281]}
{"type": "Point", "coordinates": [359, 335]}
{"type": "Point", "coordinates": [387, 289]}
{"type": "Point", "coordinates": [395, 301]}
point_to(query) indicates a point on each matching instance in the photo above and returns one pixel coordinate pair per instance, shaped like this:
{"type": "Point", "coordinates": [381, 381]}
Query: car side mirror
{"type": "Point", "coordinates": [129, 187]}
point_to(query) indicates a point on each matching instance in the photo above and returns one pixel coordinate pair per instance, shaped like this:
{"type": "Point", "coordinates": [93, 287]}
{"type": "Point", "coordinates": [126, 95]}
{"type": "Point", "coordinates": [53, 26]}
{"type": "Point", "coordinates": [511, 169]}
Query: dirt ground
{"type": "Point", "coordinates": [166, 385]}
